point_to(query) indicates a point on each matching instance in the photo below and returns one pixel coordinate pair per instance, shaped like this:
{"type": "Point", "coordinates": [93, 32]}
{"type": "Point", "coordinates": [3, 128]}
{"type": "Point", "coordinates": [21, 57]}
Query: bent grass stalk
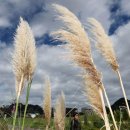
{"type": "Point", "coordinates": [123, 90]}
{"type": "Point", "coordinates": [105, 47]}
{"type": "Point", "coordinates": [26, 105]}
{"type": "Point", "coordinates": [95, 96]}
{"type": "Point", "coordinates": [79, 45]}
{"type": "Point", "coordinates": [111, 112]}
{"type": "Point", "coordinates": [104, 110]}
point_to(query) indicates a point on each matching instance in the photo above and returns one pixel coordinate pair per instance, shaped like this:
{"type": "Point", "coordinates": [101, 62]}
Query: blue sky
{"type": "Point", "coordinates": [115, 18]}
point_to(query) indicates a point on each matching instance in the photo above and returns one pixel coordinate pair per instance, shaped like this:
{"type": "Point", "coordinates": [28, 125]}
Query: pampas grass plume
{"type": "Point", "coordinates": [59, 114]}
{"type": "Point", "coordinates": [24, 56]}
{"type": "Point", "coordinates": [47, 102]}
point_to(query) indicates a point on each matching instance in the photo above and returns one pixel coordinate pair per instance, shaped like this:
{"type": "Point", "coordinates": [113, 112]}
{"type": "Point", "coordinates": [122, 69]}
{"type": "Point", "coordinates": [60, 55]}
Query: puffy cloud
{"type": "Point", "coordinates": [119, 16]}
{"type": "Point", "coordinates": [82, 9]}
{"type": "Point", "coordinates": [10, 11]}
{"type": "Point", "coordinates": [50, 61]}
{"type": "Point", "coordinates": [4, 22]}
{"type": "Point", "coordinates": [65, 77]}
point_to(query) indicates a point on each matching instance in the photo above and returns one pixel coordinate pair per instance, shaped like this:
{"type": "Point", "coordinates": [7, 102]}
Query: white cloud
{"type": "Point", "coordinates": [81, 8]}
{"type": "Point", "coordinates": [64, 76]}
{"type": "Point", "coordinates": [10, 10]}
{"type": "Point", "coordinates": [125, 6]}
{"type": "Point", "coordinates": [4, 22]}
{"type": "Point", "coordinates": [43, 21]}
{"type": "Point", "coordinates": [85, 9]}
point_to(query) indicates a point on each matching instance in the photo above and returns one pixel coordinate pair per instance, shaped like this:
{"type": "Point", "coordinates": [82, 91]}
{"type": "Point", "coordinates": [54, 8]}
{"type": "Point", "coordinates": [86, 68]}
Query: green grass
{"type": "Point", "coordinates": [40, 123]}
{"type": "Point", "coordinates": [92, 122]}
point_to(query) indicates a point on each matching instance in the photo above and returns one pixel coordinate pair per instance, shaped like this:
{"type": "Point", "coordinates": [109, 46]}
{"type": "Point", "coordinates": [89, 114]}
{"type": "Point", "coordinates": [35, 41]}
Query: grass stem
{"type": "Point", "coordinates": [123, 90]}
{"type": "Point", "coordinates": [111, 112]}
{"type": "Point", "coordinates": [104, 111]}
{"type": "Point", "coordinates": [17, 103]}
{"type": "Point", "coordinates": [26, 105]}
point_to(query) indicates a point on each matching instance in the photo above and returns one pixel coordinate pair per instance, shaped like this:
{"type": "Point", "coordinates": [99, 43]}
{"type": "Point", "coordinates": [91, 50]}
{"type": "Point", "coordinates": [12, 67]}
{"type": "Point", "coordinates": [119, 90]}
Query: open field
{"type": "Point", "coordinates": [39, 123]}
{"type": "Point", "coordinates": [92, 122]}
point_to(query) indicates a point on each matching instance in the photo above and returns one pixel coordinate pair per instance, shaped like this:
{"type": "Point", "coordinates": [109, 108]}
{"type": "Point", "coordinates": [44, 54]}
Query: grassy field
{"type": "Point", "coordinates": [91, 122]}
{"type": "Point", "coordinates": [94, 123]}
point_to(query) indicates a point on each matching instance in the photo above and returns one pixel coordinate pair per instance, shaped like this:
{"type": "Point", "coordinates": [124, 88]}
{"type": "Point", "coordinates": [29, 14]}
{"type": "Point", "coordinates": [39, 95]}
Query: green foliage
{"type": "Point", "coordinates": [125, 115]}
{"type": "Point", "coordinates": [117, 115]}
{"type": "Point", "coordinates": [93, 122]}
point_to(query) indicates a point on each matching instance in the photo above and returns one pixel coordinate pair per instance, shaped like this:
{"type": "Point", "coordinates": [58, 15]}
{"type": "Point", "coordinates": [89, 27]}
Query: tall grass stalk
{"type": "Point", "coordinates": [15, 114]}
{"type": "Point", "coordinates": [109, 106]}
{"type": "Point", "coordinates": [104, 110]}
{"type": "Point", "coordinates": [79, 46]}
{"type": "Point", "coordinates": [47, 103]}
{"type": "Point", "coordinates": [123, 90]}
{"type": "Point", "coordinates": [24, 61]}
{"type": "Point", "coordinates": [26, 104]}
{"type": "Point", "coordinates": [16, 107]}
{"type": "Point", "coordinates": [96, 98]}
{"type": "Point", "coordinates": [104, 45]}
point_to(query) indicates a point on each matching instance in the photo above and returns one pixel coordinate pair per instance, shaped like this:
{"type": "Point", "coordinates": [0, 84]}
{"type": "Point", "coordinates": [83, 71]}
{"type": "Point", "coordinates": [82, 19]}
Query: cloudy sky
{"type": "Point", "coordinates": [115, 18]}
